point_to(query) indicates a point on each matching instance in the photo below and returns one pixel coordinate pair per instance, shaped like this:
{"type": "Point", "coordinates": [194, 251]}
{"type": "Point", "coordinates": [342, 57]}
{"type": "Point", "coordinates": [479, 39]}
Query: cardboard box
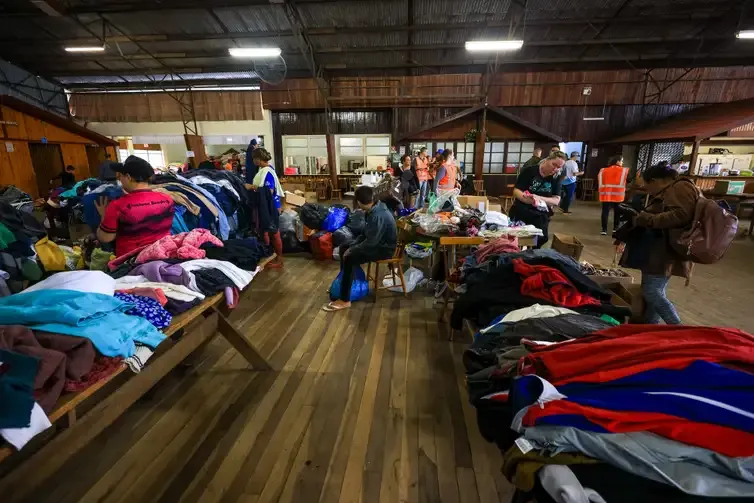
{"type": "Point", "coordinates": [567, 245]}
{"type": "Point", "coordinates": [606, 281]}
{"type": "Point", "coordinates": [496, 207]}
{"type": "Point", "coordinates": [293, 187]}
{"type": "Point", "coordinates": [632, 297]}
{"type": "Point", "coordinates": [294, 199]}
{"type": "Point", "coordinates": [480, 203]}
{"type": "Point", "coordinates": [729, 187]}
{"type": "Point", "coordinates": [311, 197]}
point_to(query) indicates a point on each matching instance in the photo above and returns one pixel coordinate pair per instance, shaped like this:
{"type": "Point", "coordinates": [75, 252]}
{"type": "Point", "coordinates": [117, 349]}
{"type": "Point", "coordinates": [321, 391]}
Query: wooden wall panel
{"type": "Point", "coordinates": [452, 131]}
{"type": "Point", "coordinates": [16, 168]}
{"type": "Point", "coordinates": [17, 130]}
{"type": "Point", "coordinates": [499, 130]}
{"type": "Point", "coordinates": [161, 107]}
{"type": "Point", "coordinates": [34, 129]}
{"type": "Point", "coordinates": [342, 122]}
{"type": "Point", "coordinates": [74, 154]}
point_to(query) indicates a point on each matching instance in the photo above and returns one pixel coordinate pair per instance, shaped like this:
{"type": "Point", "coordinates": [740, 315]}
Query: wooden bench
{"type": "Point", "coordinates": [200, 324]}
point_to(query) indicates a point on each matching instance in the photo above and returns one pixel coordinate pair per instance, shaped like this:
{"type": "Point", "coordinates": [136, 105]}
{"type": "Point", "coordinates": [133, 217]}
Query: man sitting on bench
{"type": "Point", "coordinates": [377, 242]}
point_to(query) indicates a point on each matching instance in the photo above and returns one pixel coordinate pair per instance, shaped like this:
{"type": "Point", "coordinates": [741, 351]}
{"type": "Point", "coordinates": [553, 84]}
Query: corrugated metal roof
{"type": "Point", "coordinates": [376, 13]}
{"type": "Point", "coordinates": [186, 22]}
{"type": "Point", "coordinates": [451, 11]}
{"type": "Point", "coordinates": [361, 40]}
{"type": "Point", "coordinates": [259, 18]}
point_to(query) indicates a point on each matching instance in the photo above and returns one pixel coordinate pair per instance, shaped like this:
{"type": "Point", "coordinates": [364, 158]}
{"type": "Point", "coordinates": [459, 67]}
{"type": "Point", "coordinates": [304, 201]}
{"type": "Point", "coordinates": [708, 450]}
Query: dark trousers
{"type": "Point", "coordinates": [568, 192]}
{"type": "Point", "coordinates": [348, 263]}
{"type": "Point", "coordinates": [606, 207]}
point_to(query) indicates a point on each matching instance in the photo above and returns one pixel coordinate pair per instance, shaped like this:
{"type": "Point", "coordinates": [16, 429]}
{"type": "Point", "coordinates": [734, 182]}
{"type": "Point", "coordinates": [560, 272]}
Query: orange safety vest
{"type": "Point", "coordinates": [422, 169]}
{"type": "Point", "coordinates": [612, 184]}
{"type": "Point", "coordinates": [448, 182]}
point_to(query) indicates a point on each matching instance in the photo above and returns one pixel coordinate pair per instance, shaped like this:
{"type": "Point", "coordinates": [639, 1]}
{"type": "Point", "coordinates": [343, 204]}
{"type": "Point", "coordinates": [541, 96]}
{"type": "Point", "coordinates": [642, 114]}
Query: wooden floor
{"type": "Point", "coordinates": [369, 404]}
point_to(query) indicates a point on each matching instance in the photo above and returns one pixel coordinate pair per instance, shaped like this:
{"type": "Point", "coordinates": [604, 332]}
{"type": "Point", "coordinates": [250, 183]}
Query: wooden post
{"type": "Point", "coordinates": [330, 139]}
{"type": "Point", "coordinates": [479, 147]}
{"type": "Point", "coordinates": [195, 143]}
{"type": "Point", "coordinates": [694, 156]}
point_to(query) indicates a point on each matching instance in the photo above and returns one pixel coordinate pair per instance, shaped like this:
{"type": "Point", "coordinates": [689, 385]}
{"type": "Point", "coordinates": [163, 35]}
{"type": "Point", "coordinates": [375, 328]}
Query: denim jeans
{"type": "Point", "coordinates": [423, 193]}
{"type": "Point", "coordinates": [659, 308]}
{"type": "Point", "coordinates": [568, 193]}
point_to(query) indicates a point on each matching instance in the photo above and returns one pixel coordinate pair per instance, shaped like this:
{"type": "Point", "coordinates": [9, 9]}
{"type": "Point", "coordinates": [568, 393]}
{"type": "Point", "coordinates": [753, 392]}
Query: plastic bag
{"type": "Point", "coordinates": [50, 255]}
{"type": "Point", "coordinates": [312, 216]}
{"type": "Point", "coordinates": [321, 245]}
{"type": "Point", "coordinates": [433, 224]}
{"type": "Point", "coordinates": [412, 276]}
{"type": "Point", "coordinates": [437, 201]}
{"type": "Point", "coordinates": [419, 250]}
{"type": "Point", "coordinates": [342, 236]}
{"type": "Point", "coordinates": [357, 222]}
{"type": "Point", "coordinates": [291, 243]}
{"type": "Point", "coordinates": [288, 221]}
{"type": "Point", "coordinates": [359, 287]}
{"type": "Point", "coordinates": [336, 218]}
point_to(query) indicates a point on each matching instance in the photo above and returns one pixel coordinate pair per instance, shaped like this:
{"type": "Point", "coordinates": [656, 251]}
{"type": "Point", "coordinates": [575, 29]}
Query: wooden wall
{"type": "Point", "coordinates": [161, 107]}
{"type": "Point", "coordinates": [18, 130]}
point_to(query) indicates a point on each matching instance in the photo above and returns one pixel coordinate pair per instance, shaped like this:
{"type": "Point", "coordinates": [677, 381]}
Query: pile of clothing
{"type": "Point", "coordinates": [503, 282]}
{"type": "Point", "coordinates": [17, 198]}
{"type": "Point", "coordinates": [19, 232]}
{"type": "Point", "coordinates": [587, 411]}
{"type": "Point", "coordinates": [472, 222]}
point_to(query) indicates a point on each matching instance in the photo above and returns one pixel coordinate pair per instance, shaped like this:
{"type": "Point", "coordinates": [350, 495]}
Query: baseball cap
{"type": "Point", "coordinates": [575, 153]}
{"type": "Point", "coordinates": [137, 167]}
{"type": "Point", "coordinates": [440, 151]}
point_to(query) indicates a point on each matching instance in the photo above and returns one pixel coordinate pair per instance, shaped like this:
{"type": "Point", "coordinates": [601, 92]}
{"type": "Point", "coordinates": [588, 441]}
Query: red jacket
{"type": "Point", "coordinates": [548, 283]}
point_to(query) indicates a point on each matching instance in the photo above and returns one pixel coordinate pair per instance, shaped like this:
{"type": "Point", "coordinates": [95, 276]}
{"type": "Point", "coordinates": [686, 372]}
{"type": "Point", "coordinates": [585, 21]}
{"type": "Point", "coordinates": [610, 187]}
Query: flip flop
{"type": "Point", "coordinates": [330, 307]}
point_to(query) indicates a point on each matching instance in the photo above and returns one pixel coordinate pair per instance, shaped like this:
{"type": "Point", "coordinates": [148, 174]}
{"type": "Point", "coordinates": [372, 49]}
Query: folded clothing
{"type": "Point", "coordinates": [212, 281]}
{"type": "Point", "coordinates": [182, 246]}
{"type": "Point", "coordinates": [239, 277]}
{"type": "Point", "coordinates": [153, 293]}
{"type": "Point", "coordinates": [147, 308]}
{"type": "Point", "coordinates": [100, 318]}
{"type": "Point", "coordinates": [81, 281]}
{"type": "Point", "coordinates": [245, 253]}
{"type": "Point", "coordinates": [17, 375]}
{"type": "Point", "coordinates": [161, 272]}
{"type": "Point", "coordinates": [19, 437]}
{"type": "Point", "coordinates": [177, 292]}
{"type": "Point", "coordinates": [139, 358]}
{"type": "Point", "coordinates": [102, 367]}
{"type": "Point", "coordinates": [548, 283]}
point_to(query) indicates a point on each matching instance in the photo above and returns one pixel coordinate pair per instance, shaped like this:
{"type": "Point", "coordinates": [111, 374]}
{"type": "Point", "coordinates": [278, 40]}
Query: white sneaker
{"type": "Point", "coordinates": [604, 233]}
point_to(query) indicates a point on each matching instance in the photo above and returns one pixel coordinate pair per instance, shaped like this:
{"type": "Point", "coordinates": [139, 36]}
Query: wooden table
{"type": "Point", "coordinates": [738, 199]}
{"type": "Point", "coordinates": [200, 324]}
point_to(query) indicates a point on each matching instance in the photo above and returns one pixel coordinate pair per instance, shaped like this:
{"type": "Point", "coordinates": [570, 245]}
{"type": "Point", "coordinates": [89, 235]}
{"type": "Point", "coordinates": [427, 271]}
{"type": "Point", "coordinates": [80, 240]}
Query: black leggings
{"type": "Point", "coordinates": [606, 207]}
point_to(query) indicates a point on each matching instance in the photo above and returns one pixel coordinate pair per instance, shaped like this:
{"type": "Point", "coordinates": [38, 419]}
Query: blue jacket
{"type": "Point", "coordinates": [98, 317]}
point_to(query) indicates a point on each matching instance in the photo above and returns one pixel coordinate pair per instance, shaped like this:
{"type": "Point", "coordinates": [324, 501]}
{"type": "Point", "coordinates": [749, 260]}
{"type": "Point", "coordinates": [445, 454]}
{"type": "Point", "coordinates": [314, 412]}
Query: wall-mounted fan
{"type": "Point", "coordinates": [271, 70]}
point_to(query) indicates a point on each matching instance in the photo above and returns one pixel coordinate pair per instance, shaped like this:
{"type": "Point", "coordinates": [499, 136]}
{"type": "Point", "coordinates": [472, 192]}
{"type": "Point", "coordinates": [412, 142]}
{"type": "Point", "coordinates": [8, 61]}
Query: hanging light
{"type": "Point", "coordinates": [85, 48]}
{"type": "Point", "coordinates": [745, 34]}
{"type": "Point", "coordinates": [254, 52]}
{"type": "Point", "coordinates": [493, 45]}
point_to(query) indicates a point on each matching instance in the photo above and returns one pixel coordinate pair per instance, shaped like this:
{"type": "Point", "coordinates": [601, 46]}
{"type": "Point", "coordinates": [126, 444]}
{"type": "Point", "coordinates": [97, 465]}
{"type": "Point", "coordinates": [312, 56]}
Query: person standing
{"type": "Point", "coordinates": [266, 179]}
{"type": "Point", "coordinates": [377, 242]}
{"type": "Point", "coordinates": [445, 180]}
{"type": "Point", "coordinates": [612, 189]}
{"type": "Point", "coordinates": [536, 191]}
{"type": "Point", "coordinates": [571, 172]}
{"type": "Point", "coordinates": [106, 171]}
{"type": "Point", "coordinates": [422, 174]}
{"type": "Point", "coordinates": [672, 206]}
{"type": "Point", "coordinates": [534, 160]}
{"type": "Point", "coordinates": [67, 177]}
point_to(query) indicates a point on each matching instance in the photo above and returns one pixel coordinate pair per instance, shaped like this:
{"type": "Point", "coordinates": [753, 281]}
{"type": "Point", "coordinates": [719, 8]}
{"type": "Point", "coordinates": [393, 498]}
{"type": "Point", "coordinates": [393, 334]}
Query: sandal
{"type": "Point", "coordinates": [330, 307]}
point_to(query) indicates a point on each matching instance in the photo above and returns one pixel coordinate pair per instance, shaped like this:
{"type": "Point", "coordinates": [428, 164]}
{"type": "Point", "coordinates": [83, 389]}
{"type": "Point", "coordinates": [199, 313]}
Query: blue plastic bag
{"type": "Point", "coordinates": [359, 287]}
{"type": "Point", "coordinates": [336, 218]}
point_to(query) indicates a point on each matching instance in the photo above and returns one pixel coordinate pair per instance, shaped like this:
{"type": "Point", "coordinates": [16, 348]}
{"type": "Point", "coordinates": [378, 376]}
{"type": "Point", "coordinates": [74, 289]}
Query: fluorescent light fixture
{"type": "Point", "coordinates": [593, 118]}
{"type": "Point", "coordinates": [229, 140]}
{"type": "Point", "coordinates": [745, 34]}
{"type": "Point", "coordinates": [84, 48]}
{"type": "Point", "coordinates": [254, 52]}
{"type": "Point", "coordinates": [493, 45]}
{"type": "Point", "coordinates": [162, 90]}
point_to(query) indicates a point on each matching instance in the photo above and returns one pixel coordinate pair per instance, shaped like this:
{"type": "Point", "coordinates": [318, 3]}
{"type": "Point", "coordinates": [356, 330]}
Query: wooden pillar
{"type": "Point", "coordinates": [195, 143]}
{"type": "Point", "coordinates": [694, 156]}
{"type": "Point", "coordinates": [330, 138]}
{"type": "Point", "coordinates": [479, 147]}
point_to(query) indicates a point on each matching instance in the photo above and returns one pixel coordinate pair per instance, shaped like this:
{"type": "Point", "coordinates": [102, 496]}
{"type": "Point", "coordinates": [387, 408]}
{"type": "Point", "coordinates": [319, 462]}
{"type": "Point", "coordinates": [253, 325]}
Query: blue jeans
{"type": "Point", "coordinates": [423, 193]}
{"type": "Point", "coordinates": [659, 308]}
{"type": "Point", "coordinates": [568, 192]}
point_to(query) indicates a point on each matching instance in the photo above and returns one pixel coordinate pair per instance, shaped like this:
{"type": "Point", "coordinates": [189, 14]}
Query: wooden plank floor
{"type": "Point", "coordinates": [721, 294]}
{"type": "Point", "coordinates": [369, 405]}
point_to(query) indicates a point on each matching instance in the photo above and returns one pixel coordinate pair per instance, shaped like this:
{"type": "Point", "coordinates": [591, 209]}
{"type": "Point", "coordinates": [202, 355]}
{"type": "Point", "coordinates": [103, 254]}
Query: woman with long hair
{"type": "Point", "coordinates": [265, 178]}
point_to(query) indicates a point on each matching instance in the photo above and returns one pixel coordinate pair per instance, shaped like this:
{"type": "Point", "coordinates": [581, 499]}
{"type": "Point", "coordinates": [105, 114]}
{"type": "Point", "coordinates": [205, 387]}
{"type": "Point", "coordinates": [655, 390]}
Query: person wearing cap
{"type": "Point", "coordinates": [535, 159]}
{"type": "Point", "coordinates": [141, 216]}
{"type": "Point", "coordinates": [570, 172]}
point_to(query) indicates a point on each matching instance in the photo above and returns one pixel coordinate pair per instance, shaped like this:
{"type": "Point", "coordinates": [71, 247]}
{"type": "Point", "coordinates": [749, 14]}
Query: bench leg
{"type": "Point", "coordinates": [240, 343]}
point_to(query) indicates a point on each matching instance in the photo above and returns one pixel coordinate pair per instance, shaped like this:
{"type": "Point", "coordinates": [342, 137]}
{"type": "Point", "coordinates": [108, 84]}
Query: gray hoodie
{"type": "Point", "coordinates": [380, 234]}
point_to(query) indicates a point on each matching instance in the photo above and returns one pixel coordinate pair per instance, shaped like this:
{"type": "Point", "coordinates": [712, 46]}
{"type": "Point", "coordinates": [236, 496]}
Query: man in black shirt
{"type": "Point", "coordinates": [536, 191]}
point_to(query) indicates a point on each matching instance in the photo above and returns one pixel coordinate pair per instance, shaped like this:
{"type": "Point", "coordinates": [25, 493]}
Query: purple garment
{"type": "Point", "coordinates": [162, 272]}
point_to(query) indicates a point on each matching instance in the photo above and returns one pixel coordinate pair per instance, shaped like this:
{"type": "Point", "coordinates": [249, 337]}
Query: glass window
{"type": "Point", "coordinates": [494, 157]}
{"type": "Point", "coordinates": [122, 154]}
{"type": "Point", "coordinates": [352, 151]}
{"type": "Point", "coordinates": [518, 154]}
{"type": "Point", "coordinates": [305, 153]}
{"type": "Point", "coordinates": [153, 157]}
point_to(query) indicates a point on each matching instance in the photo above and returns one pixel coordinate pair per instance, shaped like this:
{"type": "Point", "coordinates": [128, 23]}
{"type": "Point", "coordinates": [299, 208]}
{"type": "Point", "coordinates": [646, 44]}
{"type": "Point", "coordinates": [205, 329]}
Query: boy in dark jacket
{"type": "Point", "coordinates": [377, 242]}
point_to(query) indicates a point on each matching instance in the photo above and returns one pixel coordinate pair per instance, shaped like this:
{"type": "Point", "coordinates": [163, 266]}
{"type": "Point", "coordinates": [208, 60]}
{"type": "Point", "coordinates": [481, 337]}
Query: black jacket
{"type": "Point", "coordinates": [380, 233]}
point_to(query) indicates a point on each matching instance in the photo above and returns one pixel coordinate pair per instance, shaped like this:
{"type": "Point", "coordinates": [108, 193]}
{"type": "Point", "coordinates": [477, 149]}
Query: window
{"type": "Point", "coordinates": [362, 151]}
{"type": "Point", "coordinates": [494, 156]}
{"type": "Point", "coordinates": [305, 153]}
{"type": "Point", "coordinates": [464, 153]}
{"type": "Point", "coordinates": [153, 157]}
{"type": "Point", "coordinates": [122, 154]}
{"type": "Point", "coordinates": [518, 153]}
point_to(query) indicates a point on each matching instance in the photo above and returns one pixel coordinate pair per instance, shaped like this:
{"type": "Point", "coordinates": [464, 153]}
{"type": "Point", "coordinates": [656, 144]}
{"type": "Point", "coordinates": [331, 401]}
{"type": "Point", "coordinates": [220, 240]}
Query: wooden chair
{"type": "Point", "coordinates": [587, 189]}
{"type": "Point", "coordinates": [321, 189]}
{"type": "Point", "coordinates": [506, 203]}
{"type": "Point", "coordinates": [479, 188]}
{"type": "Point", "coordinates": [393, 263]}
{"type": "Point", "coordinates": [335, 192]}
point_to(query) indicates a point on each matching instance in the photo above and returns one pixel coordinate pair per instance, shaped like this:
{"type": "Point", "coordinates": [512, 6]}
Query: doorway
{"type": "Point", "coordinates": [47, 161]}
{"type": "Point", "coordinates": [95, 154]}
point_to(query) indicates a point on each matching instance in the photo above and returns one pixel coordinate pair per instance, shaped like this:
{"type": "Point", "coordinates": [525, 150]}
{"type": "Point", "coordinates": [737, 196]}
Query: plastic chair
{"type": "Point", "coordinates": [396, 262]}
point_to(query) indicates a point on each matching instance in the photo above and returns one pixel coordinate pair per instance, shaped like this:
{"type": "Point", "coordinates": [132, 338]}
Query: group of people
{"type": "Point", "coordinates": [420, 175]}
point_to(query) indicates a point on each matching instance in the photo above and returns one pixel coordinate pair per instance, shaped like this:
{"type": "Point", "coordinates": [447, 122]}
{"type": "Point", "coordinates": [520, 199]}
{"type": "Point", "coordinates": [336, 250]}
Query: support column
{"type": "Point", "coordinates": [479, 147]}
{"type": "Point", "coordinates": [694, 156]}
{"type": "Point", "coordinates": [331, 160]}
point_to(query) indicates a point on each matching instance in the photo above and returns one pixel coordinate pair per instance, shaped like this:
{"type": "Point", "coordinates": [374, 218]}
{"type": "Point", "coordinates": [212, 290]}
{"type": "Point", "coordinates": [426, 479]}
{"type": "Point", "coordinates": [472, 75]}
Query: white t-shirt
{"type": "Point", "coordinates": [571, 168]}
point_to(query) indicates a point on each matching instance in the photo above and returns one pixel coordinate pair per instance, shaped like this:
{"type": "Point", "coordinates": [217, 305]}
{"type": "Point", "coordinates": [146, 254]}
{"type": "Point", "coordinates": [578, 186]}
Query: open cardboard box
{"type": "Point", "coordinates": [629, 296]}
{"type": "Point", "coordinates": [480, 203]}
{"type": "Point", "coordinates": [611, 280]}
{"type": "Point", "coordinates": [294, 199]}
{"type": "Point", "coordinates": [567, 245]}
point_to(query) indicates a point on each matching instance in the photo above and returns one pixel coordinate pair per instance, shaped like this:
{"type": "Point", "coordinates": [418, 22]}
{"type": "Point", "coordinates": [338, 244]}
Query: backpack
{"type": "Point", "coordinates": [712, 231]}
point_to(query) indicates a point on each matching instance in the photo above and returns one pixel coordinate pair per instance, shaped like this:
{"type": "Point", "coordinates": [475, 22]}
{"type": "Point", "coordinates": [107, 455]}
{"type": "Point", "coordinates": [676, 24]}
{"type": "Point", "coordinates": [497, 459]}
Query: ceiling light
{"type": "Point", "coordinates": [493, 45]}
{"type": "Point", "coordinates": [254, 52]}
{"type": "Point", "coordinates": [745, 34]}
{"type": "Point", "coordinates": [593, 118]}
{"type": "Point", "coordinates": [93, 48]}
